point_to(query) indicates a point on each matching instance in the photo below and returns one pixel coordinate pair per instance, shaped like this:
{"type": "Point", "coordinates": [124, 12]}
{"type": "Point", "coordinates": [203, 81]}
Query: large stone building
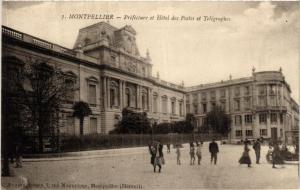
{"type": "Point", "coordinates": [106, 67]}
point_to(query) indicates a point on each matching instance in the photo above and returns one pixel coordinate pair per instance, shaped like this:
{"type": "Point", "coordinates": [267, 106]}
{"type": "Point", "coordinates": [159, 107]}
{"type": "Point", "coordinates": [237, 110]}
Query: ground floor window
{"type": "Point", "coordinates": [263, 132]}
{"type": "Point", "coordinates": [93, 125]}
{"type": "Point", "coordinates": [238, 133]}
{"type": "Point", "coordinates": [248, 119]}
{"type": "Point", "coordinates": [249, 133]}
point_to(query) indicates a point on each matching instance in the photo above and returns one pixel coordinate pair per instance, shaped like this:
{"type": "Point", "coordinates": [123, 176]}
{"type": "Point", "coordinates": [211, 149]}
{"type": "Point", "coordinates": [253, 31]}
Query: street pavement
{"type": "Point", "coordinates": [133, 171]}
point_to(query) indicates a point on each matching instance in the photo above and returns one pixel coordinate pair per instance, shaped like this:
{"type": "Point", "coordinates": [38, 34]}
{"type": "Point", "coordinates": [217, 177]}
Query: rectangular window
{"type": "Point", "coordinates": [164, 105]}
{"type": "Point", "coordinates": [223, 106]}
{"type": "Point", "coordinates": [272, 100]}
{"type": "Point", "coordinates": [180, 109]}
{"type": "Point", "coordinates": [212, 95]}
{"type": "Point", "coordinates": [173, 107]}
{"type": "Point", "coordinates": [70, 90]}
{"type": "Point", "coordinates": [273, 118]}
{"type": "Point", "coordinates": [188, 108]}
{"type": "Point", "coordinates": [263, 118]}
{"type": "Point", "coordinates": [247, 103]}
{"type": "Point", "coordinates": [281, 118]}
{"type": "Point", "coordinates": [247, 90]}
{"type": "Point", "coordinates": [262, 101]}
{"type": "Point", "coordinates": [238, 120]}
{"type": "Point", "coordinates": [237, 105]}
{"type": "Point", "coordinates": [248, 119]}
{"type": "Point", "coordinates": [238, 133]}
{"type": "Point", "coordinates": [204, 108]}
{"type": "Point", "coordinates": [154, 104]}
{"type": "Point", "coordinates": [249, 133]}
{"type": "Point", "coordinates": [93, 125]}
{"type": "Point", "coordinates": [237, 91]}
{"type": "Point", "coordinates": [262, 89]}
{"type": "Point", "coordinates": [213, 105]}
{"type": "Point", "coordinates": [92, 95]}
{"type": "Point", "coordinates": [263, 132]}
{"type": "Point", "coordinates": [222, 93]}
{"type": "Point", "coordinates": [272, 89]}
{"type": "Point", "coordinates": [195, 108]}
{"type": "Point", "coordinates": [195, 98]}
{"type": "Point", "coordinates": [203, 96]}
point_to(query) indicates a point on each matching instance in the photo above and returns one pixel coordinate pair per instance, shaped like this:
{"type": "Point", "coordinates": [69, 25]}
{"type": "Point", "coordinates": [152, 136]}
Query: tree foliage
{"type": "Point", "coordinates": [39, 91]}
{"type": "Point", "coordinates": [81, 110]}
{"type": "Point", "coordinates": [133, 123]}
{"type": "Point", "coordinates": [218, 121]}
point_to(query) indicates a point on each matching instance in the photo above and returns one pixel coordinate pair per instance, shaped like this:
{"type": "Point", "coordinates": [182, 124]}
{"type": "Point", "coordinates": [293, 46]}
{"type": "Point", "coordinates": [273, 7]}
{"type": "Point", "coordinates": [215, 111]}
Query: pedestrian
{"type": "Point", "coordinates": [192, 155]}
{"type": "Point", "coordinates": [257, 147]}
{"type": "Point", "coordinates": [213, 149]}
{"type": "Point", "coordinates": [168, 148]}
{"type": "Point", "coordinates": [245, 159]}
{"type": "Point", "coordinates": [178, 154]}
{"type": "Point", "coordinates": [159, 157]}
{"type": "Point", "coordinates": [152, 151]}
{"type": "Point", "coordinates": [276, 156]}
{"type": "Point", "coordinates": [198, 152]}
{"type": "Point", "coordinates": [19, 153]}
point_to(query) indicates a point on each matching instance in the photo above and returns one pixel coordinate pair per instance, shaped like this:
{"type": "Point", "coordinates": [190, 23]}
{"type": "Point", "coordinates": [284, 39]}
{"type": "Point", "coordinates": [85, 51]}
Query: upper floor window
{"type": "Point", "coordinates": [164, 104]}
{"type": "Point", "coordinates": [263, 118]}
{"type": "Point", "coordinates": [237, 91]}
{"type": "Point", "coordinates": [92, 95]}
{"type": "Point", "coordinates": [204, 108]}
{"type": "Point", "coordinates": [70, 87]}
{"type": "Point", "coordinates": [213, 95]}
{"type": "Point", "coordinates": [247, 102]}
{"type": "Point", "coordinates": [238, 120]}
{"type": "Point", "coordinates": [180, 108]}
{"type": "Point", "coordinates": [272, 89]}
{"type": "Point", "coordinates": [144, 100]}
{"type": "Point", "coordinates": [236, 104]}
{"type": "Point", "coordinates": [262, 90]}
{"type": "Point", "coordinates": [203, 96]}
{"type": "Point", "coordinates": [155, 103]}
{"type": "Point", "coordinates": [262, 100]}
{"type": "Point", "coordinates": [248, 119]}
{"type": "Point", "coordinates": [247, 90]}
{"type": "Point", "coordinates": [223, 105]}
{"type": "Point", "coordinates": [273, 117]}
{"type": "Point", "coordinates": [173, 108]}
{"type": "Point", "coordinates": [222, 93]}
{"type": "Point", "coordinates": [195, 108]}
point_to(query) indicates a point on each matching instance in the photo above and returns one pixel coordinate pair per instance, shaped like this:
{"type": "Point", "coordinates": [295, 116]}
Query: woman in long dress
{"type": "Point", "coordinates": [276, 156]}
{"type": "Point", "coordinates": [245, 159]}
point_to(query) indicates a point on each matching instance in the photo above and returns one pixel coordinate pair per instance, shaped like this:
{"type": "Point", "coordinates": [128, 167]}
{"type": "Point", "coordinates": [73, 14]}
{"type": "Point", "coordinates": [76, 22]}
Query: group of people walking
{"type": "Point", "coordinates": [273, 149]}
{"type": "Point", "coordinates": [157, 157]}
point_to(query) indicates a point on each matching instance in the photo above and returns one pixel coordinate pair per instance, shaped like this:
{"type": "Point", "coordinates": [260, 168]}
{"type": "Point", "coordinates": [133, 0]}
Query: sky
{"type": "Point", "coordinates": [264, 35]}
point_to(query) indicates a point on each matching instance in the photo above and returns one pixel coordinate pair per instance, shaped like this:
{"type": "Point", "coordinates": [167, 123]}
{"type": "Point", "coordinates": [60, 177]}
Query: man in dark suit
{"type": "Point", "coordinates": [257, 148]}
{"type": "Point", "coordinates": [213, 149]}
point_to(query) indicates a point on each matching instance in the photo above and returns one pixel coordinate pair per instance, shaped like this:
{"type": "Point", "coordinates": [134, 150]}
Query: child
{"type": "Point", "coordinates": [178, 154]}
{"type": "Point", "coordinates": [192, 154]}
{"type": "Point", "coordinates": [198, 152]}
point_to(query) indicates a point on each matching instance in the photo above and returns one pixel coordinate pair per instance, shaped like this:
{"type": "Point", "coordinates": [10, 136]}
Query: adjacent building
{"type": "Point", "coordinates": [110, 74]}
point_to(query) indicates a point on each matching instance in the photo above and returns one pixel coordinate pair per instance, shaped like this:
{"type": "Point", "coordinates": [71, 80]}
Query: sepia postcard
{"type": "Point", "coordinates": [150, 95]}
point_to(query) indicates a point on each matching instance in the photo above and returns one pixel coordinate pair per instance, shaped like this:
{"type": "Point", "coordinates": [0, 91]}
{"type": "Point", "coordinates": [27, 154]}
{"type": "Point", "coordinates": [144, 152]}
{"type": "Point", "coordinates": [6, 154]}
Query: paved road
{"type": "Point", "coordinates": [135, 171]}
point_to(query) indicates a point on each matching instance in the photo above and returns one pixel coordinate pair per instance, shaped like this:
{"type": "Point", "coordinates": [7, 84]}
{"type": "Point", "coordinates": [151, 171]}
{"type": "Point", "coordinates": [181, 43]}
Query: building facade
{"type": "Point", "coordinates": [106, 67]}
{"type": "Point", "coordinates": [259, 106]}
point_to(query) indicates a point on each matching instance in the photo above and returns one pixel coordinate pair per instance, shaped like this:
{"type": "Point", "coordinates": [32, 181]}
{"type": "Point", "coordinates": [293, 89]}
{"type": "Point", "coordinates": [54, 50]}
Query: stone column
{"type": "Point", "coordinates": [108, 92]}
{"type": "Point", "coordinates": [120, 94]}
{"type": "Point", "coordinates": [104, 92]}
{"type": "Point", "coordinates": [124, 94]}
{"type": "Point", "coordinates": [149, 100]}
{"type": "Point", "coordinates": [138, 100]}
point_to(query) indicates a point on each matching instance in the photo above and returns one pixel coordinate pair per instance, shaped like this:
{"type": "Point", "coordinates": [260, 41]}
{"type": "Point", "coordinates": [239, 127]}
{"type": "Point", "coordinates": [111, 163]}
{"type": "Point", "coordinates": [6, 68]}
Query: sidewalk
{"type": "Point", "coordinates": [14, 181]}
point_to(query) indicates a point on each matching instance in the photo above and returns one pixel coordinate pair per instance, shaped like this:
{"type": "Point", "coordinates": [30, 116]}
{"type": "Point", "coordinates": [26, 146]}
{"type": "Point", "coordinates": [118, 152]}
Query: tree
{"type": "Point", "coordinates": [218, 121]}
{"type": "Point", "coordinates": [81, 110]}
{"type": "Point", "coordinates": [39, 92]}
{"type": "Point", "coordinates": [133, 123]}
{"type": "Point", "coordinates": [189, 123]}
